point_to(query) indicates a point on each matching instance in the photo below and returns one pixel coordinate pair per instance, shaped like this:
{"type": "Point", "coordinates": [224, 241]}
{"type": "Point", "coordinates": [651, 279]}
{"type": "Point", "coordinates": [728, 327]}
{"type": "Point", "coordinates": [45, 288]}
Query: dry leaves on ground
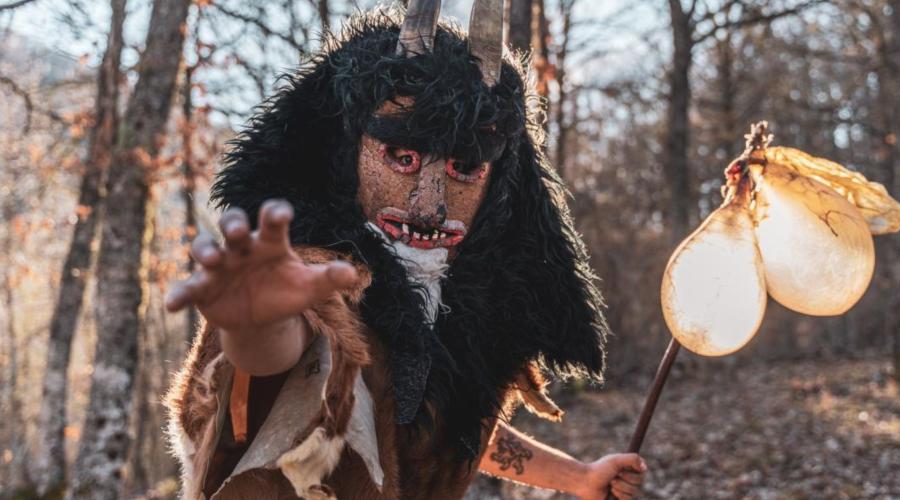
{"type": "Point", "coordinates": [826, 429]}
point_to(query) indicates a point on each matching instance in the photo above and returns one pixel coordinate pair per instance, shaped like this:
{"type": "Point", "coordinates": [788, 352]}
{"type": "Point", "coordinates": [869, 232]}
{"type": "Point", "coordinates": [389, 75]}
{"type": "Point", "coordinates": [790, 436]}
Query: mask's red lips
{"type": "Point", "coordinates": [398, 225]}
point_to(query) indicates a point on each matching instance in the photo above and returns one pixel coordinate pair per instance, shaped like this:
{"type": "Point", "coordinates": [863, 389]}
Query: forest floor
{"type": "Point", "coordinates": [787, 430]}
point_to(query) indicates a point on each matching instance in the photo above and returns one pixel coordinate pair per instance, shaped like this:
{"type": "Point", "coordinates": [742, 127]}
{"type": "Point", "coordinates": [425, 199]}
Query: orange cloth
{"type": "Point", "coordinates": [240, 393]}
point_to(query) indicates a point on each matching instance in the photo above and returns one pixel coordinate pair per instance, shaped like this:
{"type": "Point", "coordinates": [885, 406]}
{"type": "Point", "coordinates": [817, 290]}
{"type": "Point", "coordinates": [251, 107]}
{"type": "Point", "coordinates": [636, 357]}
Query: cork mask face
{"type": "Point", "coordinates": [414, 197]}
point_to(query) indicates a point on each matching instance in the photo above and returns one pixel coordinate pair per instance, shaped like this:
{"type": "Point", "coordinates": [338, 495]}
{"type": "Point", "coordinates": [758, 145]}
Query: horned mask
{"type": "Point", "coordinates": [414, 126]}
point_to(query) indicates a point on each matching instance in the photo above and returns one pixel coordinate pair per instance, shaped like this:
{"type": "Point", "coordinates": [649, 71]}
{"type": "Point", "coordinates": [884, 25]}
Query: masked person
{"type": "Point", "coordinates": [398, 270]}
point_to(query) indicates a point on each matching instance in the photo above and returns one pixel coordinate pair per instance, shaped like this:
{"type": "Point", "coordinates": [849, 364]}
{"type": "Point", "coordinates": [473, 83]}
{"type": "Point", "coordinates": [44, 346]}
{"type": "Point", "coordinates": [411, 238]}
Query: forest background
{"type": "Point", "coordinates": [114, 116]}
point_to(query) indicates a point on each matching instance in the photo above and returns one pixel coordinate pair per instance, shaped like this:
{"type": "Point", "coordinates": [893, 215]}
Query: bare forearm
{"type": "Point", "coordinates": [517, 457]}
{"type": "Point", "coordinates": [267, 350]}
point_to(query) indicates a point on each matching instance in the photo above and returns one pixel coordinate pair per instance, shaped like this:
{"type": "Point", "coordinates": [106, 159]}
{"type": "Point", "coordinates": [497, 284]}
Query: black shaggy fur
{"type": "Point", "coordinates": [520, 288]}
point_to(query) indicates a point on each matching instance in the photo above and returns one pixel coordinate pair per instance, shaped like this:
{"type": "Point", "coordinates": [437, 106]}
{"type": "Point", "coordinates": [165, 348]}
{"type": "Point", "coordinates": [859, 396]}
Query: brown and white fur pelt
{"type": "Point", "coordinates": [195, 412]}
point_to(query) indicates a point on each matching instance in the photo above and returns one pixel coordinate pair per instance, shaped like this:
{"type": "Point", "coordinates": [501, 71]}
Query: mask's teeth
{"type": "Point", "coordinates": [443, 234]}
{"type": "Point", "coordinates": [416, 235]}
{"type": "Point", "coordinates": [406, 228]}
{"type": "Point", "coordinates": [426, 237]}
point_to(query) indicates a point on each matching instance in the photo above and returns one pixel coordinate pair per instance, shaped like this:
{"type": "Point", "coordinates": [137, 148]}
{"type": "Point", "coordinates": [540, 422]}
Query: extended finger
{"type": "Point", "coordinates": [187, 292]}
{"type": "Point", "coordinates": [274, 217]}
{"type": "Point", "coordinates": [236, 230]}
{"type": "Point", "coordinates": [177, 297]}
{"type": "Point", "coordinates": [206, 251]}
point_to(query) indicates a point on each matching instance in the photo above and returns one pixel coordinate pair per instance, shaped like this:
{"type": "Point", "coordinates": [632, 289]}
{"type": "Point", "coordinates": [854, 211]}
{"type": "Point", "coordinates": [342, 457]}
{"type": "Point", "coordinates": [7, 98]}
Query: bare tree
{"type": "Point", "coordinates": [50, 473]}
{"type": "Point", "coordinates": [540, 39]}
{"type": "Point", "coordinates": [528, 30]}
{"type": "Point", "coordinates": [10, 402]}
{"type": "Point", "coordinates": [324, 14]}
{"type": "Point", "coordinates": [678, 129]}
{"type": "Point", "coordinates": [519, 26]}
{"type": "Point", "coordinates": [690, 27]}
{"type": "Point", "coordinates": [105, 439]}
{"type": "Point", "coordinates": [26, 100]}
{"type": "Point", "coordinates": [886, 38]}
{"type": "Point", "coordinates": [564, 121]}
{"type": "Point", "coordinates": [14, 5]}
{"type": "Point", "coordinates": [892, 140]}
{"type": "Point", "coordinates": [189, 181]}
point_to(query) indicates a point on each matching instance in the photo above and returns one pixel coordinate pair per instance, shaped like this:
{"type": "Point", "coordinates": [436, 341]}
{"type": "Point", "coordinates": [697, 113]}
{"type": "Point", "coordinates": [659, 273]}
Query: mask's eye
{"type": "Point", "coordinates": [465, 172]}
{"type": "Point", "coordinates": [405, 161]}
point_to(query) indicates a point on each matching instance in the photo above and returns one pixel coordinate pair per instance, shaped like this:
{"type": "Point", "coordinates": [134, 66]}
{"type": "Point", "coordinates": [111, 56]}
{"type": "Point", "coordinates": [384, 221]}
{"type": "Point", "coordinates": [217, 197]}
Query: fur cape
{"type": "Point", "coordinates": [520, 289]}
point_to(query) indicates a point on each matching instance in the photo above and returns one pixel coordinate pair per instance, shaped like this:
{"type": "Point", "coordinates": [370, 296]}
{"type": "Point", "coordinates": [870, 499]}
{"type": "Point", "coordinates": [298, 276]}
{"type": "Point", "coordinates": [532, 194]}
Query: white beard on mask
{"type": "Point", "coordinates": [425, 267]}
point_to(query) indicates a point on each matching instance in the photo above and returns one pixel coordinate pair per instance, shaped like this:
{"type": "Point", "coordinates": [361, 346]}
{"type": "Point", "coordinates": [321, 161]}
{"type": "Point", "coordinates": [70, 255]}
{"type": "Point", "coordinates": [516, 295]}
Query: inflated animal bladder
{"type": "Point", "coordinates": [816, 247]}
{"type": "Point", "coordinates": [795, 226]}
{"type": "Point", "coordinates": [714, 288]}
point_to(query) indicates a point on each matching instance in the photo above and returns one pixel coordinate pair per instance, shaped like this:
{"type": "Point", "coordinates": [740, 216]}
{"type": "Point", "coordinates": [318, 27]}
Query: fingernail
{"type": "Point", "coordinates": [643, 465]}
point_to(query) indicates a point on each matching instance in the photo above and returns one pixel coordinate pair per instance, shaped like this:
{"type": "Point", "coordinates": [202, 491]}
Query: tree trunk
{"type": "Point", "coordinates": [675, 156]}
{"type": "Point", "coordinates": [324, 14]}
{"type": "Point", "coordinates": [51, 457]}
{"type": "Point", "coordinates": [17, 479]}
{"type": "Point", "coordinates": [890, 94]}
{"type": "Point", "coordinates": [138, 477]}
{"type": "Point", "coordinates": [519, 30]}
{"type": "Point", "coordinates": [138, 480]}
{"type": "Point", "coordinates": [563, 124]}
{"type": "Point", "coordinates": [149, 461]}
{"type": "Point", "coordinates": [540, 56]}
{"type": "Point", "coordinates": [728, 87]}
{"type": "Point", "coordinates": [189, 187]}
{"type": "Point", "coordinates": [105, 439]}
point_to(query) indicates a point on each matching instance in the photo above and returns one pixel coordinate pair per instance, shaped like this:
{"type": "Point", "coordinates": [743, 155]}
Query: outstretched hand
{"type": "Point", "coordinates": [256, 279]}
{"type": "Point", "coordinates": [617, 476]}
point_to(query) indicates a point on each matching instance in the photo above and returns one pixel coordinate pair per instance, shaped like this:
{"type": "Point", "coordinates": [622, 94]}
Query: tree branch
{"type": "Point", "coordinates": [15, 5]}
{"type": "Point", "coordinates": [26, 99]}
{"type": "Point", "coordinates": [263, 27]}
{"type": "Point", "coordinates": [755, 19]}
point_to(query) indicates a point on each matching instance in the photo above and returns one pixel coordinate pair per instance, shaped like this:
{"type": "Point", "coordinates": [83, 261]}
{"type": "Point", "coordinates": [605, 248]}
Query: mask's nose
{"type": "Point", "coordinates": [426, 205]}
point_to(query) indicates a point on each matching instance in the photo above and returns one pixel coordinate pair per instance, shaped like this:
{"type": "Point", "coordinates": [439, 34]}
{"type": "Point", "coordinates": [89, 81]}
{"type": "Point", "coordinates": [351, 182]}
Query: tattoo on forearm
{"type": "Point", "coordinates": [511, 453]}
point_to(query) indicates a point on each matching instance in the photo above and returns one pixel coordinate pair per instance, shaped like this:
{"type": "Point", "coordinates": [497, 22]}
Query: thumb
{"type": "Point", "coordinates": [328, 278]}
{"type": "Point", "coordinates": [629, 461]}
{"type": "Point", "coordinates": [341, 274]}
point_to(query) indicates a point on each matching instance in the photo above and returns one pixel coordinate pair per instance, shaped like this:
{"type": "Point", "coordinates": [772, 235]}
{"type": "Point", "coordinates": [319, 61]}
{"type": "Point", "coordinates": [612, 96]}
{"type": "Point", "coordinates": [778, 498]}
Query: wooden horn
{"type": "Point", "coordinates": [419, 25]}
{"type": "Point", "coordinates": [486, 38]}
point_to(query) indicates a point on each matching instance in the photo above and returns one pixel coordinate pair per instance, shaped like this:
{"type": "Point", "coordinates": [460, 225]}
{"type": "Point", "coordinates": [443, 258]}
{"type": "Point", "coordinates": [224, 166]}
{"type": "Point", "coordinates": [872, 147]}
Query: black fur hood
{"type": "Point", "coordinates": [520, 289]}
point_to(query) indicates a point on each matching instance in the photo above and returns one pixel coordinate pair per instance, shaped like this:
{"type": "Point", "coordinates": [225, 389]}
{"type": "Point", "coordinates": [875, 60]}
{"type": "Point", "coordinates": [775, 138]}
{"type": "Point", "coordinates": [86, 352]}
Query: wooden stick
{"type": "Point", "coordinates": [650, 404]}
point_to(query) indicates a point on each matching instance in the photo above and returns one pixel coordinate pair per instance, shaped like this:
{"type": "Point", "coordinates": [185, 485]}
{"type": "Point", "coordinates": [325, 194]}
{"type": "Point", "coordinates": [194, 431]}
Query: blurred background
{"type": "Point", "coordinates": [113, 117]}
